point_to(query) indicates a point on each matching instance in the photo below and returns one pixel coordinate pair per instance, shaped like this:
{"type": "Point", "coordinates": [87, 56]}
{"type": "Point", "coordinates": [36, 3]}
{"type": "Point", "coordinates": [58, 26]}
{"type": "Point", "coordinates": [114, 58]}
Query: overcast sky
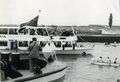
{"type": "Point", "coordinates": [60, 12]}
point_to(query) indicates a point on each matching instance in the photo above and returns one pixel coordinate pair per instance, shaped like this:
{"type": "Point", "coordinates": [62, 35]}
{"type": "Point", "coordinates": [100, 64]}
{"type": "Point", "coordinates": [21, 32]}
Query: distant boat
{"type": "Point", "coordinates": [94, 61]}
{"type": "Point", "coordinates": [107, 44]}
{"type": "Point", "coordinates": [105, 64]}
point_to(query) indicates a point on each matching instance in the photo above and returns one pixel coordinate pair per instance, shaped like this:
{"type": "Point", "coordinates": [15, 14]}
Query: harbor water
{"type": "Point", "coordinates": [80, 68]}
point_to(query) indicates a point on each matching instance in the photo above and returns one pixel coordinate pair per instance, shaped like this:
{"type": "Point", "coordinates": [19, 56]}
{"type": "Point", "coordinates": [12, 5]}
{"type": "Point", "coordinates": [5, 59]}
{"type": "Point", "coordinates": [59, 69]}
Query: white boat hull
{"type": "Point", "coordinates": [77, 51]}
{"type": "Point", "coordinates": [106, 64]}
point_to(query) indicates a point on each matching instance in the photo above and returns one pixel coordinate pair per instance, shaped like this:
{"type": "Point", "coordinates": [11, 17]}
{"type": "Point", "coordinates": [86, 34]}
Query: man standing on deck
{"type": "Point", "coordinates": [34, 60]}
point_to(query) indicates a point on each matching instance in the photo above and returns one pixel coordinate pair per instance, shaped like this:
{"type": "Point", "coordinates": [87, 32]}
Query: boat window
{"type": "Point", "coordinates": [68, 44]}
{"type": "Point", "coordinates": [57, 44]}
{"type": "Point", "coordinates": [67, 33]}
{"type": "Point", "coordinates": [23, 30]}
{"type": "Point", "coordinates": [23, 43]}
{"type": "Point", "coordinates": [32, 32]}
{"type": "Point", "coordinates": [41, 31]}
{"type": "Point", "coordinates": [3, 43]}
{"type": "Point", "coordinates": [43, 43]}
{"type": "Point", "coordinates": [3, 30]}
{"type": "Point", "coordinates": [12, 31]}
{"type": "Point", "coordinates": [53, 31]}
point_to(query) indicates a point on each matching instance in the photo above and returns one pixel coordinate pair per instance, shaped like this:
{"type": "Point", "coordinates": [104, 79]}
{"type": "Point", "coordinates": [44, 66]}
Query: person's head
{"type": "Point", "coordinates": [34, 39]}
{"type": "Point", "coordinates": [107, 57]}
{"type": "Point", "coordinates": [49, 43]}
{"type": "Point", "coordinates": [51, 37]}
{"type": "Point", "coordinates": [111, 14]}
{"type": "Point", "coordinates": [115, 58]}
{"type": "Point", "coordinates": [101, 57]}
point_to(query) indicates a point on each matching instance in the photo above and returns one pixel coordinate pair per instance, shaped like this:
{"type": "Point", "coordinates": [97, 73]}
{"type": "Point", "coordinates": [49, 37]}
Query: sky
{"type": "Point", "coordinates": [60, 12]}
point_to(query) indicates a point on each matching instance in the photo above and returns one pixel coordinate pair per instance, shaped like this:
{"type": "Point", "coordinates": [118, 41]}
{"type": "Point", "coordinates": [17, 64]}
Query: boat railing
{"type": "Point", "coordinates": [40, 75]}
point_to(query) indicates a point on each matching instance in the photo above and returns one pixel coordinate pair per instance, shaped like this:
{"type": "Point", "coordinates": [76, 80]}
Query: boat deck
{"type": "Point", "coordinates": [80, 48]}
{"type": "Point", "coordinates": [50, 69]}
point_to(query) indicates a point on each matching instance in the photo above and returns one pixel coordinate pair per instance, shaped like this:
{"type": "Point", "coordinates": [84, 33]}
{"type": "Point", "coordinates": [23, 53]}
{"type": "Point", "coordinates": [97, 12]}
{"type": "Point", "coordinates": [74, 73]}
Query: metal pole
{"type": "Point", "coordinates": [119, 6]}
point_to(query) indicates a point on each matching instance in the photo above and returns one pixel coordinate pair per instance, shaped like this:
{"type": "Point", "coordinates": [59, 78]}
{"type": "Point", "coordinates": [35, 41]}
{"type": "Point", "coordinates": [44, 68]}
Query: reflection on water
{"type": "Point", "coordinates": [80, 70]}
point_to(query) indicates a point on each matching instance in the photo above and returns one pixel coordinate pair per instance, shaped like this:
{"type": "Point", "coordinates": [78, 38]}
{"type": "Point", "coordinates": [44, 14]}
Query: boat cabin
{"type": "Point", "coordinates": [65, 37]}
{"type": "Point", "coordinates": [14, 37]}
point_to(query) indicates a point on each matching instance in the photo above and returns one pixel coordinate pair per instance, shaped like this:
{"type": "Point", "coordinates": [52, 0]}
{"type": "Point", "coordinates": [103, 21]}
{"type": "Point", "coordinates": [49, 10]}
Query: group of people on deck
{"type": "Point", "coordinates": [108, 60]}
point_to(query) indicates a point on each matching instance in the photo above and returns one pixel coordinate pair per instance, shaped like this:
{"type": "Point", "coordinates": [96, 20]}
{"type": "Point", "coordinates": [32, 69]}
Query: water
{"type": "Point", "coordinates": [80, 70]}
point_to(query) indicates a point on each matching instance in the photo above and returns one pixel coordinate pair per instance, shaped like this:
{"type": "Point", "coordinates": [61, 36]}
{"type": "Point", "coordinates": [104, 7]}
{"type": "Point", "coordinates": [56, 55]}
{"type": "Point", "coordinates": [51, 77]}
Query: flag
{"type": "Point", "coordinates": [32, 22]}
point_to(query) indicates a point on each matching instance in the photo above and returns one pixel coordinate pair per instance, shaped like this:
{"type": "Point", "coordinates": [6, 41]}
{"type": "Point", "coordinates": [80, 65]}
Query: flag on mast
{"type": "Point", "coordinates": [32, 22]}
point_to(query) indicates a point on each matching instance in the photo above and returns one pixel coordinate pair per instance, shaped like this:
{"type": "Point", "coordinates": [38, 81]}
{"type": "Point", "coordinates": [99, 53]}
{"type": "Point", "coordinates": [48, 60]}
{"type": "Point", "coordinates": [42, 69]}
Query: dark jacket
{"type": "Point", "coordinates": [34, 49]}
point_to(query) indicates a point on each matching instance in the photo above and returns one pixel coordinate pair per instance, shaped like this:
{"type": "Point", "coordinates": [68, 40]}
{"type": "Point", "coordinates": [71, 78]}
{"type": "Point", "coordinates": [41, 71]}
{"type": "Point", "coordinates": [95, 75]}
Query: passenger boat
{"type": "Point", "coordinates": [14, 37]}
{"type": "Point", "coordinates": [11, 39]}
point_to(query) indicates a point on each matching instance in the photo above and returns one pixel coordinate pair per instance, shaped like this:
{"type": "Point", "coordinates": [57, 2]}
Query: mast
{"type": "Point", "coordinates": [39, 16]}
{"type": "Point", "coordinates": [119, 6]}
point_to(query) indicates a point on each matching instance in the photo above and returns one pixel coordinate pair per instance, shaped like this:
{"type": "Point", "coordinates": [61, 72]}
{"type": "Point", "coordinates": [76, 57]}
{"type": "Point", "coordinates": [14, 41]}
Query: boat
{"type": "Point", "coordinates": [53, 72]}
{"type": "Point", "coordinates": [94, 61]}
{"type": "Point", "coordinates": [111, 44]}
{"type": "Point", "coordinates": [105, 64]}
{"type": "Point", "coordinates": [114, 44]}
{"type": "Point", "coordinates": [11, 39]}
{"type": "Point", "coordinates": [18, 38]}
